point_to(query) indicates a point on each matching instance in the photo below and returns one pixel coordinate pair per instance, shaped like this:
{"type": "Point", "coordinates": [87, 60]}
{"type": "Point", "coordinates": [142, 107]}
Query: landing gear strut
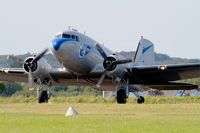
{"type": "Point", "coordinates": [43, 91]}
{"type": "Point", "coordinates": [121, 96]}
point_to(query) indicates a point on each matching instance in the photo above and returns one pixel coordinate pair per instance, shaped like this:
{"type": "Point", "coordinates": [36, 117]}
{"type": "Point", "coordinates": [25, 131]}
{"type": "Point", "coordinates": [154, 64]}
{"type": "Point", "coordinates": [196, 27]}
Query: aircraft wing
{"type": "Point", "coordinates": [91, 79]}
{"type": "Point", "coordinates": [13, 74]}
{"type": "Point", "coordinates": [59, 78]}
{"type": "Point", "coordinates": [161, 74]}
{"type": "Point", "coordinates": [158, 77]}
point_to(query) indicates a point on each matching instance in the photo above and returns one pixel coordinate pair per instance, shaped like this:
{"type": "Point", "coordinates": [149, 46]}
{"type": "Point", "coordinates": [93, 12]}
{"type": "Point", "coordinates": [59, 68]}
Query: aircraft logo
{"type": "Point", "coordinates": [146, 49]}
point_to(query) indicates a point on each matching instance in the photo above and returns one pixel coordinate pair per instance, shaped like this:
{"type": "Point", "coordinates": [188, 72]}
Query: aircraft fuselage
{"type": "Point", "coordinates": [77, 52]}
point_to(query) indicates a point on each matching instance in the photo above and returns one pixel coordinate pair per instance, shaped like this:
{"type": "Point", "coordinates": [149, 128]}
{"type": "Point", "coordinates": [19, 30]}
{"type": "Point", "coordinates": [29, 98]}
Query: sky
{"type": "Point", "coordinates": [172, 25]}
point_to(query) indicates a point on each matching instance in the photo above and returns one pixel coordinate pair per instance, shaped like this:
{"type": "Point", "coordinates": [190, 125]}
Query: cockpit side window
{"type": "Point", "coordinates": [73, 36]}
{"type": "Point", "coordinates": [66, 36]}
{"type": "Point", "coordinates": [77, 39]}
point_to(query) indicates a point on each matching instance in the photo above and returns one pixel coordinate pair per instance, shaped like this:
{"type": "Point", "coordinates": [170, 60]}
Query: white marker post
{"type": "Point", "coordinates": [71, 112]}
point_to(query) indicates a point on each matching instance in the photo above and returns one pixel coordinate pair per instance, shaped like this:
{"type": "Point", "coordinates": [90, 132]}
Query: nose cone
{"type": "Point", "coordinates": [57, 42]}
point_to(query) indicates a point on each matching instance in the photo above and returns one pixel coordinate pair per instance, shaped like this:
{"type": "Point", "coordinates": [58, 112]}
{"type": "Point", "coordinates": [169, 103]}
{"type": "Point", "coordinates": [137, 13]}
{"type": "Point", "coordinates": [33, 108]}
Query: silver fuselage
{"type": "Point", "coordinates": [77, 55]}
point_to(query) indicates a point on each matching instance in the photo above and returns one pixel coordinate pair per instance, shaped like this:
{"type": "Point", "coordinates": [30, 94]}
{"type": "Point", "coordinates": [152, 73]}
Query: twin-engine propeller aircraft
{"type": "Point", "coordinates": [89, 63]}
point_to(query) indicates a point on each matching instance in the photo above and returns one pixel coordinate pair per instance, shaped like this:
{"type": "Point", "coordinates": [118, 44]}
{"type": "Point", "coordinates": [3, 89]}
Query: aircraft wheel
{"type": "Point", "coordinates": [43, 97]}
{"type": "Point", "coordinates": [121, 96]}
{"type": "Point", "coordinates": [140, 100]}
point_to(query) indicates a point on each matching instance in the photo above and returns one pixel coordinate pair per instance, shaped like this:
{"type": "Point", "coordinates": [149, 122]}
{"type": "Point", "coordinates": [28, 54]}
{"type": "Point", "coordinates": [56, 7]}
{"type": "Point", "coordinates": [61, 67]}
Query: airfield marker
{"type": "Point", "coordinates": [71, 112]}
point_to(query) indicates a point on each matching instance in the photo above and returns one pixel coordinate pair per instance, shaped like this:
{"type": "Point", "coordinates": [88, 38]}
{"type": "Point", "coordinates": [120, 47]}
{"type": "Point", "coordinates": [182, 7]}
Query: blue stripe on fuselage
{"type": "Point", "coordinates": [57, 42]}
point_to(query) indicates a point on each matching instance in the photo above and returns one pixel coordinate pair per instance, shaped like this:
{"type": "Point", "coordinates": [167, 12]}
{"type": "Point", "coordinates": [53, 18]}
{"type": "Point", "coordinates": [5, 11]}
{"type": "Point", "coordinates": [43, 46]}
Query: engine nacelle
{"type": "Point", "coordinates": [40, 68]}
{"type": "Point", "coordinates": [113, 68]}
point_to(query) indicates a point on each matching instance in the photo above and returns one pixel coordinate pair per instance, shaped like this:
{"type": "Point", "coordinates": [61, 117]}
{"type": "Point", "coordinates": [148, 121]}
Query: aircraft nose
{"type": "Point", "coordinates": [57, 42]}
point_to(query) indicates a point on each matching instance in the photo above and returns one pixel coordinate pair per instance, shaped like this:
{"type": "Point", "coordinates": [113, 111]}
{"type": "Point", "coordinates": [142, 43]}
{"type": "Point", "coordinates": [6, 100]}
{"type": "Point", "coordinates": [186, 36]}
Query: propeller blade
{"type": "Point", "coordinates": [30, 79]}
{"type": "Point", "coordinates": [123, 61]}
{"type": "Point", "coordinates": [103, 54]}
{"type": "Point", "coordinates": [40, 55]}
{"type": "Point", "coordinates": [102, 78]}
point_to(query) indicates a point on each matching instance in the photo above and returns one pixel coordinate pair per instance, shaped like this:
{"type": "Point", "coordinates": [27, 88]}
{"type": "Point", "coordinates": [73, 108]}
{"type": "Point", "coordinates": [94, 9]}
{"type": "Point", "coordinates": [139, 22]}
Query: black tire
{"type": "Point", "coordinates": [43, 97]}
{"type": "Point", "coordinates": [140, 100]}
{"type": "Point", "coordinates": [121, 96]}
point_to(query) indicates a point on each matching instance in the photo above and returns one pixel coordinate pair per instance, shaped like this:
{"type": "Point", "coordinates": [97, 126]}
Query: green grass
{"type": "Point", "coordinates": [93, 99]}
{"type": "Point", "coordinates": [100, 118]}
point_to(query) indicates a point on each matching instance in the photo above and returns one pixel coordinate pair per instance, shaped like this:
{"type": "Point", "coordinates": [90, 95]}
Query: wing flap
{"type": "Point", "coordinates": [174, 86]}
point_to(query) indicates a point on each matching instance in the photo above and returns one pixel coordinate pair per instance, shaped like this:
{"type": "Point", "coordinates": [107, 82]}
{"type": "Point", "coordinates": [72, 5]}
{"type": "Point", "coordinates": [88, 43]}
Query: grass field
{"type": "Point", "coordinates": [92, 99]}
{"type": "Point", "coordinates": [100, 118]}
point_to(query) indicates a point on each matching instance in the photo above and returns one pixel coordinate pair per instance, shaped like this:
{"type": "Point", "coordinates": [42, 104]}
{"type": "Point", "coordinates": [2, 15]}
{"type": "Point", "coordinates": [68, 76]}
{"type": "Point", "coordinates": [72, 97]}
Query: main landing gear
{"type": "Point", "coordinates": [122, 95]}
{"type": "Point", "coordinates": [43, 90]}
{"type": "Point", "coordinates": [140, 100]}
{"type": "Point", "coordinates": [43, 95]}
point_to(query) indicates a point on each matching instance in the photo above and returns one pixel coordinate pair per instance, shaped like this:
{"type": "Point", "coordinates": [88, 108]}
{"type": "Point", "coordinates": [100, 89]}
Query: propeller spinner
{"type": "Point", "coordinates": [109, 63]}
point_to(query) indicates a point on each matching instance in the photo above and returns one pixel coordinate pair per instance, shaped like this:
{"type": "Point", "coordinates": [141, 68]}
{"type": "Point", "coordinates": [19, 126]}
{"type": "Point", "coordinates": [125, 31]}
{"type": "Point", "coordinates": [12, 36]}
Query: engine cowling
{"type": "Point", "coordinates": [110, 64]}
{"type": "Point", "coordinates": [112, 67]}
{"type": "Point", "coordinates": [39, 69]}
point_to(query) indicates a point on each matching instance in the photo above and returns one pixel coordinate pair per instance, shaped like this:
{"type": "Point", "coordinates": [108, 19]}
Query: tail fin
{"type": "Point", "coordinates": [145, 53]}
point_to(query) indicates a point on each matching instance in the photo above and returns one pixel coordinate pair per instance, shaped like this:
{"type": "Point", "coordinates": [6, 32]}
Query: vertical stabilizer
{"type": "Point", "coordinates": [145, 53]}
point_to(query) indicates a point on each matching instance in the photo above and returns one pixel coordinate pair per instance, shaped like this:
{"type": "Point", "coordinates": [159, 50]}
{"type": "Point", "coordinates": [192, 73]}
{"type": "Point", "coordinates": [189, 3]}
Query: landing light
{"type": "Point", "coordinates": [162, 68]}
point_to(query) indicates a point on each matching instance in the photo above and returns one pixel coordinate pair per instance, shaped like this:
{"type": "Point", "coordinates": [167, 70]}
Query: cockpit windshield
{"type": "Point", "coordinates": [64, 35]}
{"type": "Point", "coordinates": [74, 37]}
